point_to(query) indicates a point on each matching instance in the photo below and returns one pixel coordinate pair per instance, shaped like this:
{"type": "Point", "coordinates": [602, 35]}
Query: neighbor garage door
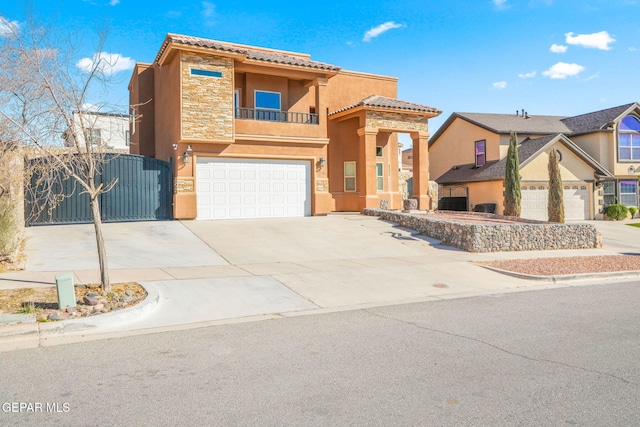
{"type": "Point", "coordinates": [252, 188]}
{"type": "Point", "coordinates": [534, 202]}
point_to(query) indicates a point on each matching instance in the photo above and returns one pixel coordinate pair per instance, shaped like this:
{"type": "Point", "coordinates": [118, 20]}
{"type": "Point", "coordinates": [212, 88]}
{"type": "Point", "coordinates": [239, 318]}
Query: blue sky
{"type": "Point", "coordinates": [551, 57]}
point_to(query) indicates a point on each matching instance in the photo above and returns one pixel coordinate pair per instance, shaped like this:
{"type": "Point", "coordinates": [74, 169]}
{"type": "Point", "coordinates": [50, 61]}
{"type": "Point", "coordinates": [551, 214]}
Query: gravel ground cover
{"type": "Point", "coordinates": [569, 265]}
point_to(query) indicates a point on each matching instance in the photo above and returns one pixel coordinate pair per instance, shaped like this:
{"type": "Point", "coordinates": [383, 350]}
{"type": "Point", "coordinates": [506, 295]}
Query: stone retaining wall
{"type": "Point", "coordinates": [517, 236]}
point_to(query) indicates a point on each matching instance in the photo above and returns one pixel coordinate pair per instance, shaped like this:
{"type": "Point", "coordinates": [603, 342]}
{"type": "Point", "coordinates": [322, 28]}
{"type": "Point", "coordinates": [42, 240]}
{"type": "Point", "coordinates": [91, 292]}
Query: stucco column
{"type": "Point", "coordinates": [366, 169]}
{"type": "Point", "coordinates": [321, 100]}
{"type": "Point", "coordinates": [421, 169]}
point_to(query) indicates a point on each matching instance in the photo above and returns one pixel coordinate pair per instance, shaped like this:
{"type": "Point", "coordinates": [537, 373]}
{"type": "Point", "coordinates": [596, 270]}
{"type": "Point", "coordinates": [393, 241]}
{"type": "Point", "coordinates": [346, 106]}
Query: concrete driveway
{"type": "Point", "coordinates": [207, 271]}
{"type": "Point", "coordinates": [619, 235]}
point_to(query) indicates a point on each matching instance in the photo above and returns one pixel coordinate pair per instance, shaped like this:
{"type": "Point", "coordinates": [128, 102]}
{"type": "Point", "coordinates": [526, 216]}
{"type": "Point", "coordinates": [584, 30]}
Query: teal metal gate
{"type": "Point", "coordinates": [143, 192]}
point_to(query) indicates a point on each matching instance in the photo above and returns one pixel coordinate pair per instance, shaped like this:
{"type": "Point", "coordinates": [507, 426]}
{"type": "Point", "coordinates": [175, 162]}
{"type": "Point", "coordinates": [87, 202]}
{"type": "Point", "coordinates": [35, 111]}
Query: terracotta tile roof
{"type": "Point", "coordinates": [256, 54]}
{"type": "Point", "coordinates": [378, 101]}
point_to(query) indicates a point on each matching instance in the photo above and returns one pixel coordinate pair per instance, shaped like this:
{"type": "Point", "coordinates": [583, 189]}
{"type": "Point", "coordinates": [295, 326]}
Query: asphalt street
{"type": "Point", "coordinates": [554, 357]}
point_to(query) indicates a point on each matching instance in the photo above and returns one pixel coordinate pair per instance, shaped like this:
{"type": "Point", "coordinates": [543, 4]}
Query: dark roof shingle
{"type": "Point", "coordinates": [597, 120]}
{"type": "Point", "coordinates": [506, 123]}
{"type": "Point", "coordinates": [495, 169]}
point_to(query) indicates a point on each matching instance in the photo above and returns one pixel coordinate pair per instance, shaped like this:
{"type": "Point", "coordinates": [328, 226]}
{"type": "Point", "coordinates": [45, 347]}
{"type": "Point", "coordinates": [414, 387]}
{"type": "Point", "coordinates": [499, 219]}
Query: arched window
{"type": "Point", "coordinates": [629, 139]}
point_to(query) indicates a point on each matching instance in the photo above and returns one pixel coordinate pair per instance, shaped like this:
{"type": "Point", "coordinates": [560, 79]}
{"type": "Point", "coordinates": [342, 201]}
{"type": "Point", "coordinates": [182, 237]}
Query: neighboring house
{"type": "Point", "coordinates": [108, 130]}
{"type": "Point", "coordinates": [407, 160]}
{"type": "Point", "coordinates": [599, 156]}
{"type": "Point", "coordinates": [255, 132]}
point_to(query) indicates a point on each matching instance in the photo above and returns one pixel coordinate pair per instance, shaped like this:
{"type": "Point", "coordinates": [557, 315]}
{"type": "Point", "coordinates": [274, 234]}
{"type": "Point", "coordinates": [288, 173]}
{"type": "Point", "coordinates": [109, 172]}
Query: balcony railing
{"type": "Point", "coordinates": [276, 116]}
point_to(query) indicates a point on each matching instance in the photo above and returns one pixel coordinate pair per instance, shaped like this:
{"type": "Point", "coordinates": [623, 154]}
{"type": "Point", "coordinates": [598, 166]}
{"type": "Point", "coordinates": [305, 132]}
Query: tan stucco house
{"type": "Point", "coordinates": [599, 156]}
{"type": "Point", "coordinates": [256, 132]}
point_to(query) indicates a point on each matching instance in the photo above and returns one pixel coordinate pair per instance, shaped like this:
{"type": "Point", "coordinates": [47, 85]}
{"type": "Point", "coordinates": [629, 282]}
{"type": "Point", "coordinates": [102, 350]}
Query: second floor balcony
{"type": "Point", "coordinates": [269, 115]}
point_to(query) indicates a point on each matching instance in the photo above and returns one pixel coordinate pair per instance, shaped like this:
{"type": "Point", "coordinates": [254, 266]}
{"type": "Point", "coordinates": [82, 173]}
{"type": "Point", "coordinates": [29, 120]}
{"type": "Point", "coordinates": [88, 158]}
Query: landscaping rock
{"type": "Point", "coordinates": [495, 233]}
{"type": "Point", "coordinates": [88, 300]}
{"type": "Point", "coordinates": [54, 315]}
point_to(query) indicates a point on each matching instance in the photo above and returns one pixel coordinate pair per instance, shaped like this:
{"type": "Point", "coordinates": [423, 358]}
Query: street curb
{"type": "Point", "coordinates": [560, 278]}
{"type": "Point", "coordinates": [33, 334]}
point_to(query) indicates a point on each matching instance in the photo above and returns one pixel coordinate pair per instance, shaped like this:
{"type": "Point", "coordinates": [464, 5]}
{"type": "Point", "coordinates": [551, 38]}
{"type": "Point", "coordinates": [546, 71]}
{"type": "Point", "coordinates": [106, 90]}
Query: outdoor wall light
{"type": "Point", "coordinates": [186, 156]}
{"type": "Point", "coordinates": [175, 147]}
{"type": "Point", "coordinates": [631, 170]}
{"type": "Point", "coordinates": [322, 162]}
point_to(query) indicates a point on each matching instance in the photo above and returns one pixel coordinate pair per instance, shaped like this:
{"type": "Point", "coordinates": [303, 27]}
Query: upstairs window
{"type": "Point", "coordinates": [629, 139]}
{"type": "Point", "coordinates": [93, 136]}
{"type": "Point", "coordinates": [267, 100]}
{"type": "Point", "coordinates": [480, 153]}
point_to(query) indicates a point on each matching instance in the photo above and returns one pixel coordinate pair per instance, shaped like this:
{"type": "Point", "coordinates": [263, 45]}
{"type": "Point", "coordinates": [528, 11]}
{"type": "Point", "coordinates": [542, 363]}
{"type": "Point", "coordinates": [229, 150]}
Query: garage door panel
{"type": "Point", "coordinates": [252, 188]}
{"type": "Point", "coordinates": [535, 200]}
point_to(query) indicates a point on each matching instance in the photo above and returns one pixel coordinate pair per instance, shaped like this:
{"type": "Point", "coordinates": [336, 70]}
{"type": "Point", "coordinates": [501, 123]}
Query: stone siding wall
{"type": "Point", "coordinates": [525, 236]}
{"type": "Point", "coordinates": [397, 121]}
{"type": "Point", "coordinates": [207, 102]}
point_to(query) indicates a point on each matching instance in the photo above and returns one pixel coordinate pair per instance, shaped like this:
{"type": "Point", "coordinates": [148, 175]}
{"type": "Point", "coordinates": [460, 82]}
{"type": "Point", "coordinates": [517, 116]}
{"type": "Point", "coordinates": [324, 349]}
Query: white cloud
{"type": "Point", "coordinates": [108, 63]}
{"type": "Point", "coordinates": [562, 70]}
{"type": "Point", "coordinates": [383, 28]}
{"type": "Point", "coordinates": [90, 107]}
{"type": "Point", "coordinates": [500, 4]}
{"type": "Point", "coordinates": [632, 49]}
{"type": "Point", "coordinates": [600, 40]}
{"type": "Point", "coordinates": [208, 9]}
{"type": "Point", "coordinates": [114, 2]}
{"type": "Point", "coordinates": [528, 75]}
{"type": "Point", "coordinates": [7, 28]}
{"type": "Point", "coordinates": [558, 48]}
{"type": "Point", "coordinates": [500, 85]}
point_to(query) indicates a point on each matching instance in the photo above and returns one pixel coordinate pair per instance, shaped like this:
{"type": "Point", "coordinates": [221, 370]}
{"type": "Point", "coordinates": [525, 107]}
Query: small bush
{"type": "Point", "coordinates": [617, 211]}
{"type": "Point", "coordinates": [633, 211]}
{"type": "Point", "coordinates": [9, 231]}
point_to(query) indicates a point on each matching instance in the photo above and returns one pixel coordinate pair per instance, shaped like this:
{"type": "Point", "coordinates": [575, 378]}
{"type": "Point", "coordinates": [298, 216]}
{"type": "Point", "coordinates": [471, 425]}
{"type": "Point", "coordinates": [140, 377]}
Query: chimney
{"type": "Point", "coordinates": [526, 115]}
{"type": "Point", "coordinates": [517, 113]}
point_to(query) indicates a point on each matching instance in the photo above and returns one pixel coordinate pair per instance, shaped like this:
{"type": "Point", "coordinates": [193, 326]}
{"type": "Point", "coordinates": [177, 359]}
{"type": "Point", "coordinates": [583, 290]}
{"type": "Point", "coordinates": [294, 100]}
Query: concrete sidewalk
{"type": "Point", "coordinates": [205, 273]}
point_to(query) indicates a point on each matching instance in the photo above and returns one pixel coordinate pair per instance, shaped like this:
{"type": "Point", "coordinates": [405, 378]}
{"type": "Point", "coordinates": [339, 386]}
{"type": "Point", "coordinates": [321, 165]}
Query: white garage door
{"type": "Point", "coordinates": [535, 197]}
{"type": "Point", "coordinates": [251, 188]}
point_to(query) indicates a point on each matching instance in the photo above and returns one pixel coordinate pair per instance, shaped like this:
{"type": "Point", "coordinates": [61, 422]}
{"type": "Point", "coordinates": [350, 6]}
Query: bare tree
{"type": "Point", "coordinates": [42, 85]}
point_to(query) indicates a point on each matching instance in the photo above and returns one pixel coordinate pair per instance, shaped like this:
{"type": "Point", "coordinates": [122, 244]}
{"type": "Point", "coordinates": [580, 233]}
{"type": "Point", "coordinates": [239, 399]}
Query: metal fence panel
{"type": "Point", "coordinates": [143, 192]}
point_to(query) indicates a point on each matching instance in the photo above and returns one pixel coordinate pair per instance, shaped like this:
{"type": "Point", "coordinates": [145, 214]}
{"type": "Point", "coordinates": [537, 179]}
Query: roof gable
{"type": "Point", "coordinates": [527, 151]}
{"type": "Point", "coordinates": [598, 120]}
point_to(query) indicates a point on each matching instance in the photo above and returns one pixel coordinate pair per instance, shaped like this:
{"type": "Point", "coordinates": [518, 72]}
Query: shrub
{"type": "Point", "coordinates": [617, 211]}
{"type": "Point", "coordinates": [633, 211]}
{"type": "Point", "coordinates": [9, 231]}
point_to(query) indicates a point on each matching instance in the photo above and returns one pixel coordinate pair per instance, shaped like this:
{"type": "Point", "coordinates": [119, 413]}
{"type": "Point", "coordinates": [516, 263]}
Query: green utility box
{"type": "Point", "coordinates": [66, 291]}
